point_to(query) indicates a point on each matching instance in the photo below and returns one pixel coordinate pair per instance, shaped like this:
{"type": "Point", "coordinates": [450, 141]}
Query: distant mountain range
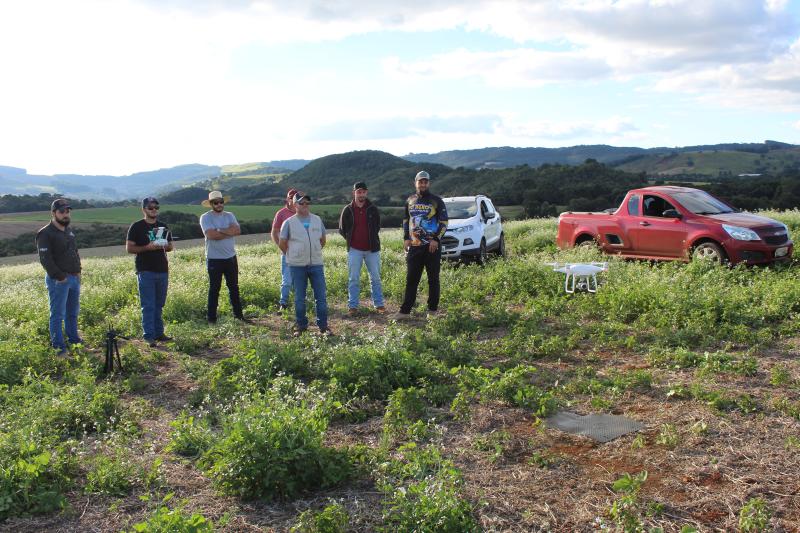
{"type": "Point", "coordinates": [337, 172]}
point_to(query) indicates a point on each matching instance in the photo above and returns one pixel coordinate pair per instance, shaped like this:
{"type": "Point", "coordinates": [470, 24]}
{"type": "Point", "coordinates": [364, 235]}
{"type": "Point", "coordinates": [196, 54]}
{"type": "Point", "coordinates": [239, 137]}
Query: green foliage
{"type": "Point", "coordinates": [626, 510]}
{"type": "Point", "coordinates": [754, 516]}
{"type": "Point", "coordinates": [424, 494]}
{"type": "Point", "coordinates": [175, 520]}
{"type": "Point", "coordinates": [494, 444]}
{"type": "Point", "coordinates": [334, 518]}
{"type": "Point", "coordinates": [112, 476]}
{"type": "Point", "coordinates": [404, 415]}
{"type": "Point", "coordinates": [189, 437]}
{"type": "Point", "coordinates": [272, 448]}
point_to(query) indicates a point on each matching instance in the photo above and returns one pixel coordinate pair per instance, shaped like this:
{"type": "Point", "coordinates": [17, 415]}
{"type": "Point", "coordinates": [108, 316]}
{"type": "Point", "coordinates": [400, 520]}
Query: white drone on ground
{"type": "Point", "coordinates": [585, 273]}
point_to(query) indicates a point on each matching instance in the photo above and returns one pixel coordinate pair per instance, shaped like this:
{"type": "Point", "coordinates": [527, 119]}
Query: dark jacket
{"type": "Point", "coordinates": [58, 252]}
{"type": "Point", "coordinates": [373, 224]}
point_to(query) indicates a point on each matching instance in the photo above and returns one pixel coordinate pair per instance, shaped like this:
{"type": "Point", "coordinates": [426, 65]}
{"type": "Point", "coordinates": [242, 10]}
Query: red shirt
{"type": "Point", "coordinates": [360, 237]}
{"type": "Point", "coordinates": [281, 216]}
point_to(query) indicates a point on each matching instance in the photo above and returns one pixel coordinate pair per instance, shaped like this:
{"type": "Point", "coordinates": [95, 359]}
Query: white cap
{"type": "Point", "coordinates": [422, 175]}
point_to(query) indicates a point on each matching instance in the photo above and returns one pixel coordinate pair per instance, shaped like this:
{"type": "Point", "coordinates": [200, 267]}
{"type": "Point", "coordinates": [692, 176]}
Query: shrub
{"type": "Point", "coordinates": [270, 449]}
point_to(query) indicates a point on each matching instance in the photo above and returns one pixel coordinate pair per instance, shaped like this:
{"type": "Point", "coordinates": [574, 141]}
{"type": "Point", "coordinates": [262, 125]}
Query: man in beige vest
{"type": "Point", "coordinates": [302, 238]}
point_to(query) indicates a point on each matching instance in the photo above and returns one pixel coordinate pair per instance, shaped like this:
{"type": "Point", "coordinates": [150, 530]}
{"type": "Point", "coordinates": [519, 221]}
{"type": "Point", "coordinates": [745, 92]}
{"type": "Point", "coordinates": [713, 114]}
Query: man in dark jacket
{"type": "Point", "coordinates": [58, 254]}
{"type": "Point", "coordinates": [359, 224]}
{"type": "Point", "coordinates": [424, 224]}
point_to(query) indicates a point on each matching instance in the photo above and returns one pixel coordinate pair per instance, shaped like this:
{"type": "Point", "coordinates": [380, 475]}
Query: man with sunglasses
{"type": "Point", "coordinates": [302, 238]}
{"type": "Point", "coordinates": [58, 254]}
{"type": "Point", "coordinates": [150, 240]}
{"type": "Point", "coordinates": [220, 228]}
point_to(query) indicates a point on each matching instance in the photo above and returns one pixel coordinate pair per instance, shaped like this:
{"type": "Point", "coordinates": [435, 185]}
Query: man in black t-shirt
{"type": "Point", "coordinates": [150, 240]}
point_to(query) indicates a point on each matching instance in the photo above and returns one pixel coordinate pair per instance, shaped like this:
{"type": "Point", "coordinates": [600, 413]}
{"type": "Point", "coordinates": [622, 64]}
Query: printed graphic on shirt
{"type": "Point", "coordinates": [158, 235]}
{"type": "Point", "coordinates": [423, 224]}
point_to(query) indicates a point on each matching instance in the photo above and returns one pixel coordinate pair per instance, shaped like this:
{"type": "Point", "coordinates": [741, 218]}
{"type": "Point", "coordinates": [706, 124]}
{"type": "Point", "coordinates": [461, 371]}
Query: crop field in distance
{"type": "Point", "coordinates": [435, 424]}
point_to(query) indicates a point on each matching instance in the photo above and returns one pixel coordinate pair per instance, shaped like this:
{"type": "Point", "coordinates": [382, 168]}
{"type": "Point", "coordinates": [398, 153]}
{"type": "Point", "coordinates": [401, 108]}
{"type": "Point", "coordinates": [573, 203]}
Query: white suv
{"type": "Point", "coordinates": [474, 229]}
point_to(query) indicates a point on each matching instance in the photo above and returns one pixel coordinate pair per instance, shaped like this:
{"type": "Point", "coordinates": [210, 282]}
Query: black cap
{"type": "Point", "coordinates": [301, 196]}
{"type": "Point", "coordinates": [60, 203]}
{"type": "Point", "coordinates": [149, 200]}
{"type": "Point", "coordinates": [359, 185]}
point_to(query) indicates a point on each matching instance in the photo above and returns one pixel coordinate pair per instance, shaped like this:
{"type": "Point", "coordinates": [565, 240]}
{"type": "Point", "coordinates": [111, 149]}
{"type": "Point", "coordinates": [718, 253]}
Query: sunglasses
{"type": "Point", "coordinates": [64, 209]}
{"type": "Point", "coordinates": [304, 202]}
{"type": "Point", "coordinates": [218, 202]}
{"type": "Point", "coordinates": [152, 208]}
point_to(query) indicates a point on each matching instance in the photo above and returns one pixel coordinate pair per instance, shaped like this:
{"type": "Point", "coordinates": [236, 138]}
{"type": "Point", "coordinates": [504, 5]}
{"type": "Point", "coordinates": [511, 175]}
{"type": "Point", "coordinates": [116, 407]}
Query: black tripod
{"type": "Point", "coordinates": [112, 349]}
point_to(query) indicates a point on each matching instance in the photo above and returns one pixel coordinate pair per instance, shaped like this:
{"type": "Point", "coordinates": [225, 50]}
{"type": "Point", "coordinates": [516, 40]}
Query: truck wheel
{"type": "Point", "coordinates": [586, 242]}
{"type": "Point", "coordinates": [483, 256]}
{"type": "Point", "coordinates": [709, 251]}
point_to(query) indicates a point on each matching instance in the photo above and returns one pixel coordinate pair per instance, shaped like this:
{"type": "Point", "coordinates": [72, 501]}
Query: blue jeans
{"type": "Point", "coordinates": [286, 281]}
{"type": "Point", "coordinates": [152, 296]}
{"type": "Point", "coordinates": [300, 277]}
{"type": "Point", "coordinates": [64, 307]}
{"type": "Point", "coordinates": [373, 261]}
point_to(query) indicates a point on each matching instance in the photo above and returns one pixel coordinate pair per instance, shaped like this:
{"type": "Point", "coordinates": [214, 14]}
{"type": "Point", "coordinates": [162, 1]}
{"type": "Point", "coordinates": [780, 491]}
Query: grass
{"type": "Point", "coordinates": [427, 425]}
{"type": "Point", "coordinates": [245, 213]}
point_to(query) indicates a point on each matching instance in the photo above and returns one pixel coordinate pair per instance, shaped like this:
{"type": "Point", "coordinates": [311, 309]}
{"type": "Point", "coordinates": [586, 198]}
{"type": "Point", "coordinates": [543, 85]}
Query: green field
{"type": "Point", "coordinates": [435, 424]}
{"type": "Point", "coordinates": [712, 162]}
{"type": "Point", "coordinates": [245, 213]}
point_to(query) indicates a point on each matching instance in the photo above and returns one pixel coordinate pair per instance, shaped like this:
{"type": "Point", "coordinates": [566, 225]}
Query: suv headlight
{"type": "Point", "coordinates": [463, 229]}
{"type": "Point", "coordinates": [741, 234]}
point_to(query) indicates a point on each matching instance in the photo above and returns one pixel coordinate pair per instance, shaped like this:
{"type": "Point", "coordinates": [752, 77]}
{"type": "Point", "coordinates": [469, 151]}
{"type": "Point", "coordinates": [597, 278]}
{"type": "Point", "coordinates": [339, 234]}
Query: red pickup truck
{"type": "Point", "coordinates": [667, 222]}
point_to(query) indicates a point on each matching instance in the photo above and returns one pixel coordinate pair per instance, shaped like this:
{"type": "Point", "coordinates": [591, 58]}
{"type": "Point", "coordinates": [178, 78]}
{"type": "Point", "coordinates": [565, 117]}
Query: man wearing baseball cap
{"type": "Point", "coordinates": [220, 228]}
{"type": "Point", "coordinates": [58, 254]}
{"type": "Point", "coordinates": [302, 238]}
{"type": "Point", "coordinates": [150, 239]}
{"type": "Point", "coordinates": [286, 276]}
{"type": "Point", "coordinates": [359, 224]}
{"type": "Point", "coordinates": [424, 224]}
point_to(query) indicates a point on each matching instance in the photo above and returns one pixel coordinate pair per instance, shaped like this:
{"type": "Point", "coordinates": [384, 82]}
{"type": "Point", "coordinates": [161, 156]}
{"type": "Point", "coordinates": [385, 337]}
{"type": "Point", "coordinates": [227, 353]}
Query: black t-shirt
{"type": "Point", "coordinates": [142, 233]}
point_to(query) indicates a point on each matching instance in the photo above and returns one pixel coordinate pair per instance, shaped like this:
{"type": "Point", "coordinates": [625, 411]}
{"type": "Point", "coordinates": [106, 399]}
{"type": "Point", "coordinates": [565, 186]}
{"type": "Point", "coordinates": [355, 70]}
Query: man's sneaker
{"type": "Point", "coordinates": [244, 320]}
{"type": "Point", "coordinates": [151, 342]}
{"type": "Point", "coordinates": [212, 321]}
{"type": "Point", "coordinates": [433, 312]}
{"type": "Point", "coordinates": [296, 331]}
{"type": "Point", "coordinates": [353, 311]}
{"type": "Point", "coordinates": [282, 308]}
{"type": "Point", "coordinates": [62, 353]}
{"type": "Point", "coordinates": [163, 338]}
{"type": "Point", "coordinates": [401, 316]}
{"type": "Point", "coordinates": [326, 332]}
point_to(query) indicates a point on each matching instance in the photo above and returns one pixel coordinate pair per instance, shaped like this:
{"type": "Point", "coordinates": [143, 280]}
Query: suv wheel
{"type": "Point", "coordinates": [501, 246]}
{"type": "Point", "coordinates": [483, 256]}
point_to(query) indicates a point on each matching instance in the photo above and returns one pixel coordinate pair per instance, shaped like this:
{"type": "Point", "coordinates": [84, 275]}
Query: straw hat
{"type": "Point", "coordinates": [215, 195]}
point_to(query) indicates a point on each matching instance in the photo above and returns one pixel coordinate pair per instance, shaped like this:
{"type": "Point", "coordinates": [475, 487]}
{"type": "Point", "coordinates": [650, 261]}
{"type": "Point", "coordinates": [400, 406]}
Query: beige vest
{"type": "Point", "coordinates": [304, 246]}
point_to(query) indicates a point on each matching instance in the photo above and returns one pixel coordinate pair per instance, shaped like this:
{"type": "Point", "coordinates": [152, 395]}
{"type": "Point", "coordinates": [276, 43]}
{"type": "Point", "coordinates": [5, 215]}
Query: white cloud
{"type": "Point", "coordinates": [508, 68]}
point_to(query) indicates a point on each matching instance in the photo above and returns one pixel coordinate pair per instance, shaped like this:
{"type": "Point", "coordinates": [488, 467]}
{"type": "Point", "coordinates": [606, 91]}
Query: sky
{"type": "Point", "coordinates": [121, 86]}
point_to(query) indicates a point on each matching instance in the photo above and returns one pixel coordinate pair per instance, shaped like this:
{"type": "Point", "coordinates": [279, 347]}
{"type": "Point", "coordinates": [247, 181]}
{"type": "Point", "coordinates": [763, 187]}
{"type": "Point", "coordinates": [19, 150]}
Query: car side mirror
{"type": "Point", "coordinates": [671, 213]}
{"type": "Point", "coordinates": [488, 216]}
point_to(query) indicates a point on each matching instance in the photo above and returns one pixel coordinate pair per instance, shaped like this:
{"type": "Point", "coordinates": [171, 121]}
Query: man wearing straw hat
{"type": "Point", "coordinates": [220, 228]}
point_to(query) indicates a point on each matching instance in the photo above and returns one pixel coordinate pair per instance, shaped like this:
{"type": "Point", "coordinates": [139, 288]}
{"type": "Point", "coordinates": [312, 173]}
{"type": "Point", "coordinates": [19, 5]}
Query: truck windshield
{"type": "Point", "coordinates": [462, 209]}
{"type": "Point", "coordinates": [702, 203]}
